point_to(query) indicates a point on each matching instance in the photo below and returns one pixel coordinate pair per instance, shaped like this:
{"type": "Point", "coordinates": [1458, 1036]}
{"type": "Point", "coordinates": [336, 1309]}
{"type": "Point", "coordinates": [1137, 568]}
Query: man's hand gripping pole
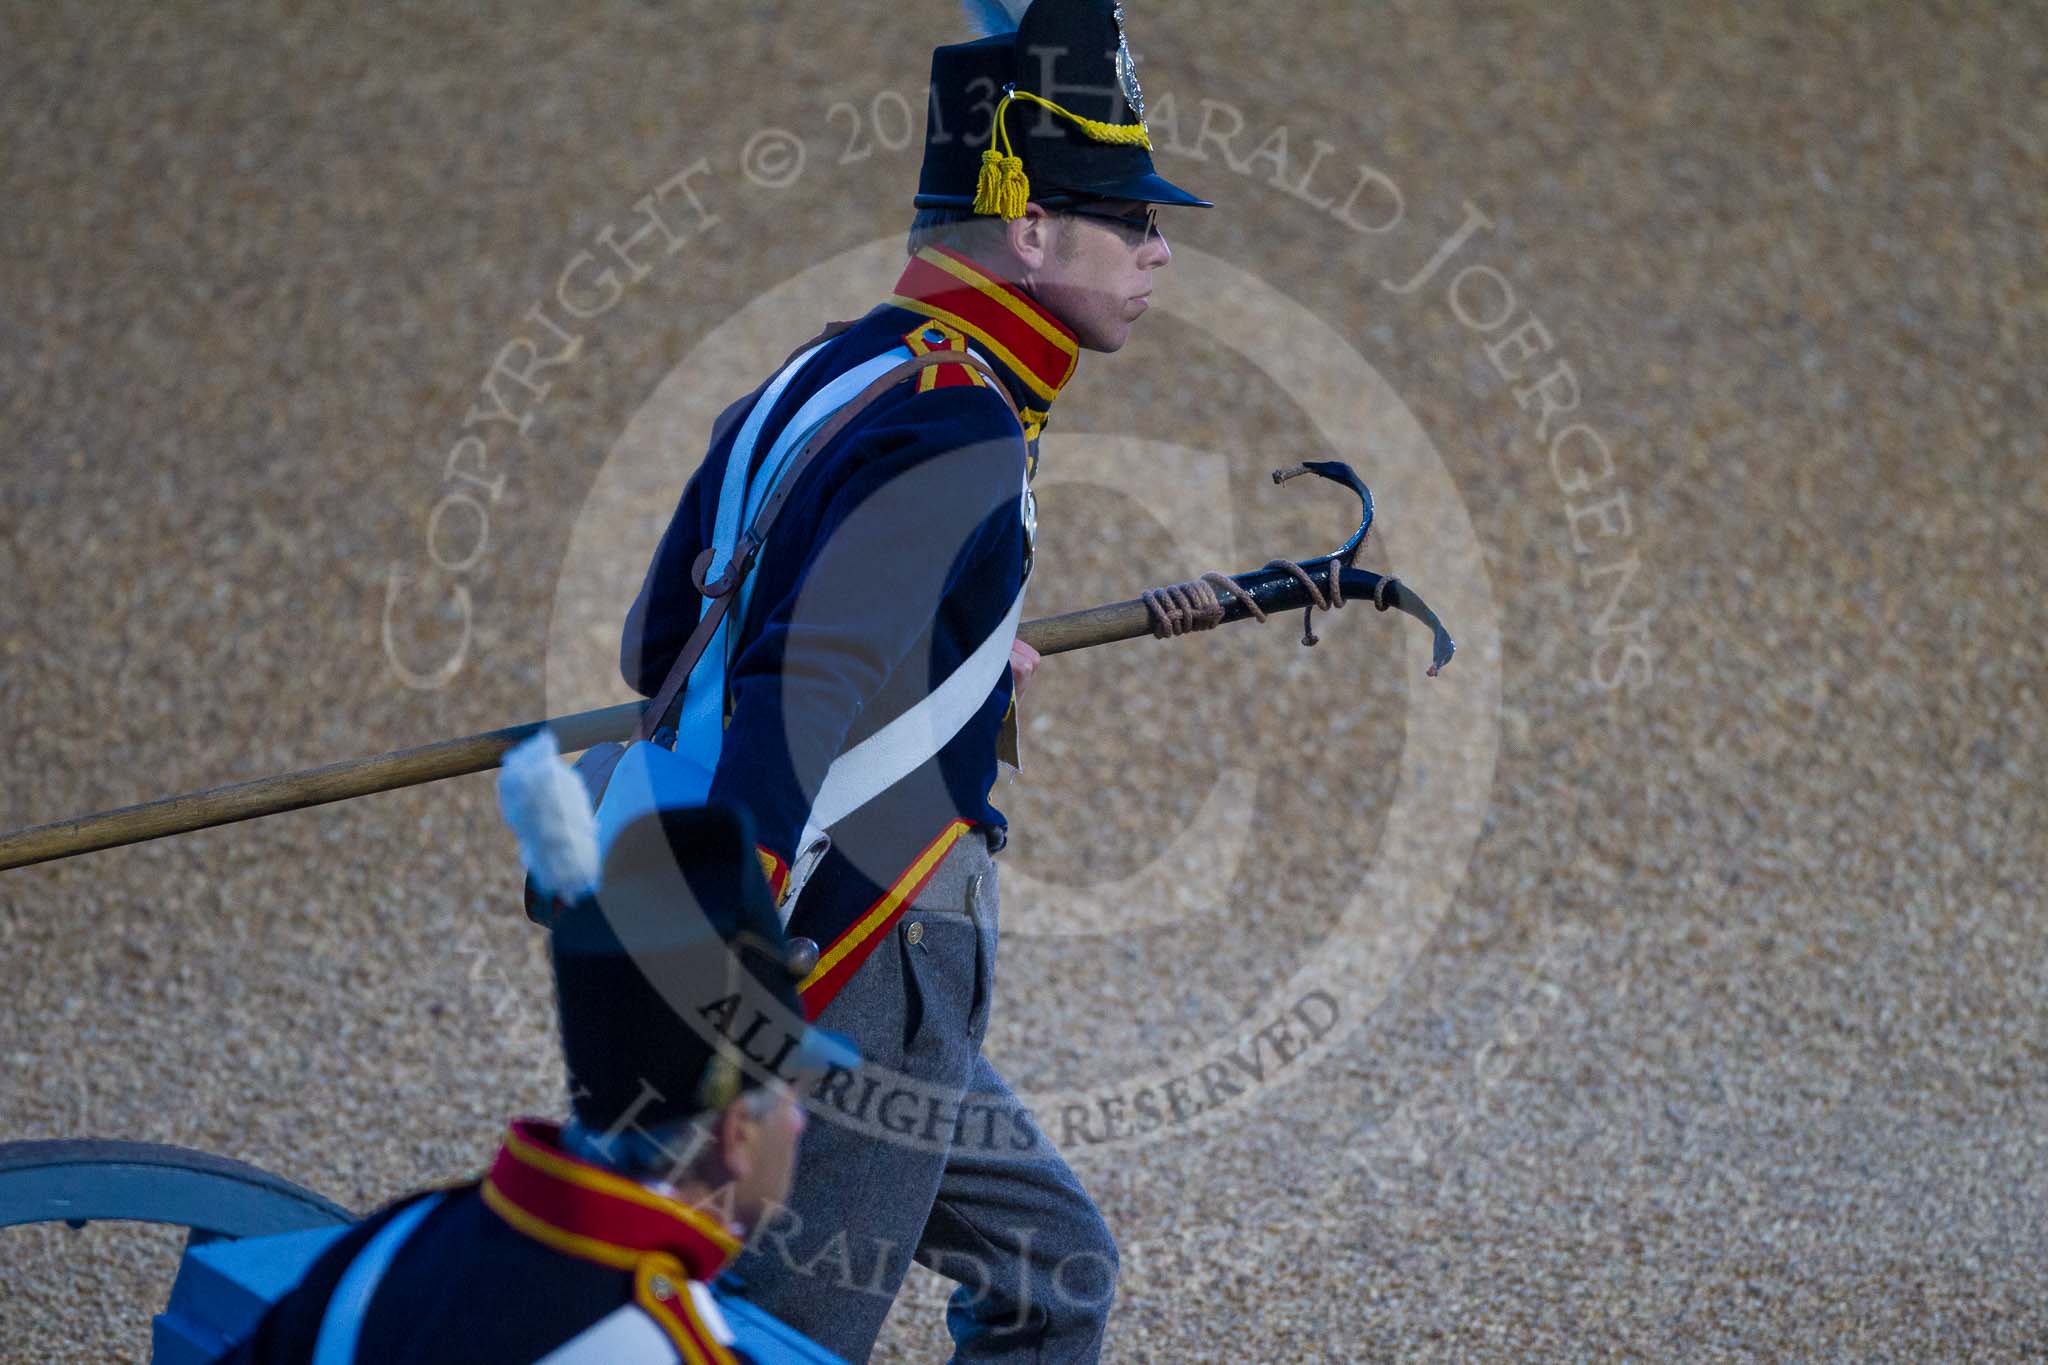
{"type": "Point", "coordinates": [1324, 583]}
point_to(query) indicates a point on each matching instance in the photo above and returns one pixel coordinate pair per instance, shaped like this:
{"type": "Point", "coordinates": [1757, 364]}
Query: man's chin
{"type": "Point", "coordinates": [1106, 342]}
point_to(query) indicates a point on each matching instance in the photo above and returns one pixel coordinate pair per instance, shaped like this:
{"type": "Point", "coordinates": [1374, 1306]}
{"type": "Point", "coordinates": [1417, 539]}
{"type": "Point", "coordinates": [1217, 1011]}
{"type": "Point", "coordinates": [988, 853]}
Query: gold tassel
{"type": "Point", "coordinates": [1016, 192]}
{"type": "Point", "coordinates": [988, 190]}
{"type": "Point", "coordinates": [1003, 188]}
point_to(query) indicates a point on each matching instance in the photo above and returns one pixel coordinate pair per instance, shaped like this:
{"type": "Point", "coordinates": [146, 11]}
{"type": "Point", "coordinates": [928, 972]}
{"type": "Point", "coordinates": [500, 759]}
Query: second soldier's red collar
{"type": "Point", "coordinates": [593, 1214]}
{"type": "Point", "coordinates": [999, 319]}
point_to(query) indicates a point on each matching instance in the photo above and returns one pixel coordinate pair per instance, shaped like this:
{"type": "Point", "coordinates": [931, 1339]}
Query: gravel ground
{"type": "Point", "coordinates": [1686, 985]}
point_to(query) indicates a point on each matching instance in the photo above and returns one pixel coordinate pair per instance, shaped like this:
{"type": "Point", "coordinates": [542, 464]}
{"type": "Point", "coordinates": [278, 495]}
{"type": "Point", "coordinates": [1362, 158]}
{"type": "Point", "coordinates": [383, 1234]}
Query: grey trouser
{"type": "Point", "coordinates": [926, 1153]}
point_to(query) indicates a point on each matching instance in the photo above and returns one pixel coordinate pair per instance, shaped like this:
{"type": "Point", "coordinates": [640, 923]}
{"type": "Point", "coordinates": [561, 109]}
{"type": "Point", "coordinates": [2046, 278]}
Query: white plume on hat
{"type": "Point", "coordinates": [991, 17]}
{"type": "Point", "coordinates": [545, 803]}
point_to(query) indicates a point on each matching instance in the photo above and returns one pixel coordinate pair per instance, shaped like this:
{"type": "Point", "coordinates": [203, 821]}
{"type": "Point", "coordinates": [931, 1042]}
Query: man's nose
{"type": "Point", "coordinates": [1157, 252]}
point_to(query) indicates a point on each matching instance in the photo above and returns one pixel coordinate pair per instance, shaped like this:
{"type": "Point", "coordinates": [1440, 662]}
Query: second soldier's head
{"type": "Point", "coordinates": [688, 1053]}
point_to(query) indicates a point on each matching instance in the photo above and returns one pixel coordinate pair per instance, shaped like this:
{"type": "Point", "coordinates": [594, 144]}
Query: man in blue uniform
{"type": "Point", "coordinates": [594, 1242]}
{"type": "Point", "coordinates": [892, 578]}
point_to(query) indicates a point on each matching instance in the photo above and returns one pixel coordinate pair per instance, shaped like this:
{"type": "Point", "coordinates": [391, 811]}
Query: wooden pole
{"type": "Point", "coordinates": [1088, 627]}
{"type": "Point", "coordinates": [432, 762]}
{"type": "Point", "coordinates": [1272, 589]}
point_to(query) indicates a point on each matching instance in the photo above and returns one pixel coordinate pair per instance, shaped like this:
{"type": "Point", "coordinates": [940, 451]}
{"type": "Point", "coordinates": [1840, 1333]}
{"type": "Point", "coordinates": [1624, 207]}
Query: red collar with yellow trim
{"type": "Point", "coordinates": [1031, 348]}
{"type": "Point", "coordinates": [594, 1214]}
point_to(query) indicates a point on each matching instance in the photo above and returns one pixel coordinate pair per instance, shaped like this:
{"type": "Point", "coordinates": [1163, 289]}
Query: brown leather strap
{"type": "Point", "coordinates": [724, 590]}
{"type": "Point", "coordinates": [832, 329]}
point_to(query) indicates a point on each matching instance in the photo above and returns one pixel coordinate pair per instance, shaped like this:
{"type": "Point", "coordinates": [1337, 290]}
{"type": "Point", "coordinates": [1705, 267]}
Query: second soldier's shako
{"type": "Point", "coordinates": [676, 985]}
{"type": "Point", "coordinates": [1046, 108]}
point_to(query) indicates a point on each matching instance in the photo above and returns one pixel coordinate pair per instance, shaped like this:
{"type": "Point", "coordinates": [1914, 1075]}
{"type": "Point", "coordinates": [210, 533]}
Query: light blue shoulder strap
{"type": "Point", "coordinates": [343, 1322]}
{"type": "Point", "coordinates": [725, 531]}
{"type": "Point", "coordinates": [740, 494]}
{"type": "Point", "coordinates": [700, 721]}
{"type": "Point", "coordinates": [813, 415]}
{"type": "Point", "coordinates": [703, 698]}
{"type": "Point", "coordinates": [801, 428]}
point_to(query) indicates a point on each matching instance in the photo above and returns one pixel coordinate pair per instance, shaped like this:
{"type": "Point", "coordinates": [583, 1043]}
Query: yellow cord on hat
{"type": "Point", "coordinates": [1123, 134]}
{"type": "Point", "coordinates": [1003, 188]}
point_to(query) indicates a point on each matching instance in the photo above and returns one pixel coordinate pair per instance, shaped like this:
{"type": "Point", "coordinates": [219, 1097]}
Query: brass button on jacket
{"type": "Point", "coordinates": [803, 957]}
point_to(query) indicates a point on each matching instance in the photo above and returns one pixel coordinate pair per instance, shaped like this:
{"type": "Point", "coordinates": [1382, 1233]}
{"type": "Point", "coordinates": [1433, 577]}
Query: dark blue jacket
{"type": "Point", "coordinates": [898, 552]}
{"type": "Point", "coordinates": [510, 1267]}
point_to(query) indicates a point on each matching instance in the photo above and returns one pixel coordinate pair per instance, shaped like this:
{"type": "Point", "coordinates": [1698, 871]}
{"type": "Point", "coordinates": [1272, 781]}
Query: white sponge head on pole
{"type": "Point", "coordinates": [545, 803]}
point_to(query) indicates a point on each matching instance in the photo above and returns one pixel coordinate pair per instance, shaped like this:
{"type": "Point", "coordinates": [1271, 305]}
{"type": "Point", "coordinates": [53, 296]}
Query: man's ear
{"type": "Point", "coordinates": [737, 1129]}
{"type": "Point", "coordinates": [1030, 237]}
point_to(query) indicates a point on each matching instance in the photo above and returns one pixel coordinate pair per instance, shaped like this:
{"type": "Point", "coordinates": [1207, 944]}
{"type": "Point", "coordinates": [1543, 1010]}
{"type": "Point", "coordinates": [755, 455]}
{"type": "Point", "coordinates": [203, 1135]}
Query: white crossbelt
{"type": "Point", "coordinates": [901, 747]}
{"type": "Point", "coordinates": [629, 1335]}
{"type": "Point", "coordinates": [625, 1337]}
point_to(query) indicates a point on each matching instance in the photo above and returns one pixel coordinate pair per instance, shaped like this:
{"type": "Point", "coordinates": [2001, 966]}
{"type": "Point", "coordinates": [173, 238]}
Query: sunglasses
{"type": "Point", "coordinates": [1138, 226]}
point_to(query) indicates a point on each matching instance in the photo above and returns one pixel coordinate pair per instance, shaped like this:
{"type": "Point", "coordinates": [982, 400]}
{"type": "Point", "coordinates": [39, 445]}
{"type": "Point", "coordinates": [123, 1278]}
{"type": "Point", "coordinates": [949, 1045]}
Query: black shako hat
{"type": "Point", "coordinates": [675, 985]}
{"type": "Point", "coordinates": [1046, 107]}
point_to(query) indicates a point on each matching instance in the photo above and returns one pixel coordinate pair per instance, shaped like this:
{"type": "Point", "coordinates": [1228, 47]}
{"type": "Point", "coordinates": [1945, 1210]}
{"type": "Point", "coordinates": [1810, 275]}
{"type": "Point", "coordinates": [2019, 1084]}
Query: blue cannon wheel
{"type": "Point", "coordinates": [250, 1234]}
{"type": "Point", "coordinates": [78, 1181]}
